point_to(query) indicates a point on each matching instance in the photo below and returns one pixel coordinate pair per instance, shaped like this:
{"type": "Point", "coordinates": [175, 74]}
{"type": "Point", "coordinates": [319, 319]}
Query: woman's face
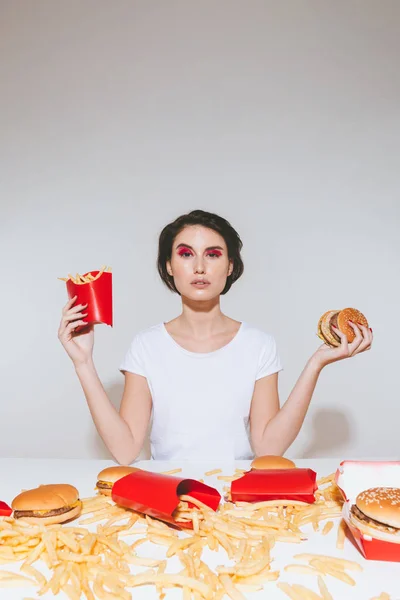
{"type": "Point", "coordinates": [199, 263]}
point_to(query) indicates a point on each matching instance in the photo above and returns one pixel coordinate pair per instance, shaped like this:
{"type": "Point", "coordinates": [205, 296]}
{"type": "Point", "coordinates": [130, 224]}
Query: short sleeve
{"type": "Point", "coordinates": [269, 361]}
{"type": "Point", "coordinates": [133, 361]}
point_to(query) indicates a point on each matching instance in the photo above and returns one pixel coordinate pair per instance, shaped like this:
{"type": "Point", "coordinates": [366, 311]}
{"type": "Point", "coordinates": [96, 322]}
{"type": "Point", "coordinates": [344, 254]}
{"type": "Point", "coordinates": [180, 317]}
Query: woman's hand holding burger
{"type": "Point", "coordinates": [345, 333]}
{"type": "Point", "coordinates": [78, 345]}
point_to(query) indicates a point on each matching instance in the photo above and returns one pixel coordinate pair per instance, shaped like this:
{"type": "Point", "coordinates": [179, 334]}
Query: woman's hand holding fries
{"type": "Point", "coordinates": [79, 346]}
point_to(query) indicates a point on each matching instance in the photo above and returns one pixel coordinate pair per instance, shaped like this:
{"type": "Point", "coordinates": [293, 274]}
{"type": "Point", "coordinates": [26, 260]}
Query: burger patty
{"type": "Point", "coordinates": [103, 485]}
{"type": "Point", "coordinates": [368, 521]}
{"type": "Point", "coordinates": [19, 514]}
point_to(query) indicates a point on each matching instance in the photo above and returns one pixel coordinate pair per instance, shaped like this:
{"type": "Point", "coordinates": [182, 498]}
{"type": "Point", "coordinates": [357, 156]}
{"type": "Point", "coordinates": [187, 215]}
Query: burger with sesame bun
{"type": "Point", "coordinates": [376, 513]}
{"type": "Point", "coordinates": [107, 477]}
{"type": "Point", "coordinates": [339, 319]}
{"type": "Point", "coordinates": [56, 503]}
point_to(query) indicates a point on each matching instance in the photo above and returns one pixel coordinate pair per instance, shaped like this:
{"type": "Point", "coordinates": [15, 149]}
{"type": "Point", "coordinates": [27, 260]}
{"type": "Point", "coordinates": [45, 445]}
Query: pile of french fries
{"type": "Point", "coordinates": [97, 564]}
{"type": "Point", "coordinates": [81, 279]}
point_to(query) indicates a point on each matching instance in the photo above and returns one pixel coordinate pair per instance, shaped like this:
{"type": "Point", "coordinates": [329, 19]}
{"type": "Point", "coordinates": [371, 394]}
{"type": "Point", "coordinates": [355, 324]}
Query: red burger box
{"type": "Point", "coordinates": [157, 495]}
{"type": "Point", "coordinates": [97, 295]}
{"type": "Point", "coordinates": [5, 510]}
{"type": "Point", "coordinates": [259, 485]}
{"type": "Point", "coordinates": [353, 477]}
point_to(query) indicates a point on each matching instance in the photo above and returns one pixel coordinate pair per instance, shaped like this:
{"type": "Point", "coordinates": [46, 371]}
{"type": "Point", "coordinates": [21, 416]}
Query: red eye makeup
{"type": "Point", "coordinates": [183, 250]}
{"type": "Point", "coordinates": [214, 251]}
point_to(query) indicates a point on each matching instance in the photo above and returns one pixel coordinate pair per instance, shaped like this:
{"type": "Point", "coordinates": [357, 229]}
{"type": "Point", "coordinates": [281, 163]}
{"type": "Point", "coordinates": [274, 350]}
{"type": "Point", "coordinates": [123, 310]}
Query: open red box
{"type": "Point", "coordinates": [157, 495]}
{"type": "Point", "coordinates": [352, 477]}
{"type": "Point", "coordinates": [275, 484]}
{"type": "Point", "coordinates": [97, 294]}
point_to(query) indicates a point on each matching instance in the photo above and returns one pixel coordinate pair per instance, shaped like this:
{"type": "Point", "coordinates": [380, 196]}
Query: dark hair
{"type": "Point", "coordinates": [211, 221]}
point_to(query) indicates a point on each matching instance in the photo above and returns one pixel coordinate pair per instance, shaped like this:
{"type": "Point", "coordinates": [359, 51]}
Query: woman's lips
{"type": "Point", "coordinates": [200, 284]}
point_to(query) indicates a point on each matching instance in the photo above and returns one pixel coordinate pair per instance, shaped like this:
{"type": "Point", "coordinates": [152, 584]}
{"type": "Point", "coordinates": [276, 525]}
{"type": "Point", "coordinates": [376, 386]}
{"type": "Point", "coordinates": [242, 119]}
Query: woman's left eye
{"type": "Point", "coordinates": [214, 254]}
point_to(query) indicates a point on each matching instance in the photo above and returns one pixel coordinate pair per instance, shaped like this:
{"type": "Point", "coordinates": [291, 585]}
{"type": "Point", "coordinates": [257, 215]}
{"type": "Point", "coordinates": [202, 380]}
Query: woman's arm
{"type": "Point", "coordinates": [273, 430]}
{"type": "Point", "coordinates": [123, 433]}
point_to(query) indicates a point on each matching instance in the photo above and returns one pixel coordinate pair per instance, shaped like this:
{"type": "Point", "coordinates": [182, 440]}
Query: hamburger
{"type": "Point", "coordinates": [339, 319]}
{"type": "Point", "coordinates": [376, 513]}
{"type": "Point", "coordinates": [270, 461]}
{"type": "Point", "coordinates": [107, 477]}
{"type": "Point", "coordinates": [55, 503]}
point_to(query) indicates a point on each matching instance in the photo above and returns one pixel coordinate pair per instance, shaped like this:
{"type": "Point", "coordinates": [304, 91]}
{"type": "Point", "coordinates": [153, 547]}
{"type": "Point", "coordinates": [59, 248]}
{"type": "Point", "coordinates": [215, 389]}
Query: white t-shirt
{"type": "Point", "coordinates": [201, 401]}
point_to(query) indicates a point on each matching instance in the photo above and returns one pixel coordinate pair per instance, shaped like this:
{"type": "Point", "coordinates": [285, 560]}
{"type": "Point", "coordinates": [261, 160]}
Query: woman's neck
{"type": "Point", "coordinates": [200, 319]}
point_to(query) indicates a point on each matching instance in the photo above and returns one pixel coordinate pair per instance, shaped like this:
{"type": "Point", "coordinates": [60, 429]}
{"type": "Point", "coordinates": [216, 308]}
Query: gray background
{"type": "Point", "coordinates": [116, 117]}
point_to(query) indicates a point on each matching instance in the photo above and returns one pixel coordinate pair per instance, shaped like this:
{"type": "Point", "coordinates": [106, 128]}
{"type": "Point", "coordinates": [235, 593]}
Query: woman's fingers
{"type": "Point", "coordinates": [69, 303]}
{"type": "Point", "coordinates": [343, 350]}
{"type": "Point", "coordinates": [70, 314]}
{"type": "Point", "coordinates": [68, 319]}
{"type": "Point", "coordinates": [74, 309]}
{"type": "Point", "coordinates": [73, 316]}
{"type": "Point", "coordinates": [70, 328]}
{"type": "Point", "coordinates": [366, 338]}
{"type": "Point", "coordinates": [358, 339]}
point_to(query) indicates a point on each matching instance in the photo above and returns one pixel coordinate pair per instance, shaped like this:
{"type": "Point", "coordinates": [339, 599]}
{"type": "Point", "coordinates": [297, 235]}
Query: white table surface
{"type": "Point", "coordinates": [377, 576]}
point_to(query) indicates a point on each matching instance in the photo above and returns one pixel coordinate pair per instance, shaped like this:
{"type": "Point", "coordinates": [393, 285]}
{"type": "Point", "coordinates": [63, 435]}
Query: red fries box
{"type": "Point", "coordinates": [5, 510]}
{"type": "Point", "coordinates": [157, 495]}
{"type": "Point", "coordinates": [353, 477]}
{"type": "Point", "coordinates": [97, 294]}
{"type": "Point", "coordinates": [275, 484]}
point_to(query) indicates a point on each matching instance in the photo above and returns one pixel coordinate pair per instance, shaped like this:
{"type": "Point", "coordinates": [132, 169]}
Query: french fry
{"type": "Point", "coordinates": [178, 580]}
{"type": "Point", "coordinates": [306, 592]}
{"type": "Point", "coordinates": [289, 591]}
{"type": "Point", "coordinates": [230, 589]}
{"type": "Point", "coordinates": [347, 564]}
{"type": "Point", "coordinates": [341, 535]}
{"type": "Point", "coordinates": [303, 569]}
{"type": "Point", "coordinates": [15, 580]}
{"type": "Point", "coordinates": [32, 572]}
{"type": "Point", "coordinates": [171, 472]}
{"type": "Point", "coordinates": [327, 527]}
{"type": "Point", "coordinates": [212, 472]}
{"type": "Point", "coordinates": [325, 594]}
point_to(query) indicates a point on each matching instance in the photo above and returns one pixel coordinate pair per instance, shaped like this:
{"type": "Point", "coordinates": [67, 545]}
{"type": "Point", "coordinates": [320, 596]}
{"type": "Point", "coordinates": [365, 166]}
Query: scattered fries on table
{"type": "Point", "coordinates": [97, 564]}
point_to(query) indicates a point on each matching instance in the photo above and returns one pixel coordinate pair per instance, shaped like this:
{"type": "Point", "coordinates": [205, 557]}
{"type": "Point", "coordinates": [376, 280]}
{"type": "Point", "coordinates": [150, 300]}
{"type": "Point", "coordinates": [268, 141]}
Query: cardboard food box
{"type": "Point", "coordinates": [353, 477]}
{"type": "Point", "coordinates": [5, 510]}
{"type": "Point", "coordinates": [157, 495]}
{"type": "Point", "coordinates": [275, 484]}
{"type": "Point", "coordinates": [97, 294]}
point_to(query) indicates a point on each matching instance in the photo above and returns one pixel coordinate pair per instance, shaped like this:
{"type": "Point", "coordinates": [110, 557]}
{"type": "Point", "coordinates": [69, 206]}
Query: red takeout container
{"type": "Point", "coordinates": [97, 294]}
{"type": "Point", "coordinates": [5, 510]}
{"type": "Point", "coordinates": [353, 477]}
{"type": "Point", "coordinates": [275, 484]}
{"type": "Point", "coordinates": [157, 495]}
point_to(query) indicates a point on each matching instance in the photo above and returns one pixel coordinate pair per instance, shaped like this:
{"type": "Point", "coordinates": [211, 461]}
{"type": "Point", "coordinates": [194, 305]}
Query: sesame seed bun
{"type": "Point", "coordinates": [350, 314]}
{"type": "Point", "coordinates": [55, 503]}
{"type": "Point", "coordinates": [107, 477]}
{"type": "Point", "coordinates": [381, 504]}
{"type": "Point", "coordinates": [270, 461]}
{"type": "Point", "coordinates": [376, 513]}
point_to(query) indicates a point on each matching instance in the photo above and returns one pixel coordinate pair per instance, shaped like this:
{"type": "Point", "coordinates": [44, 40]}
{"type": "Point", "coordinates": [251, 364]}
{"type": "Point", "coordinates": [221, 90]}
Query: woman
{"type": "Point", "coordinates": [211, 381]}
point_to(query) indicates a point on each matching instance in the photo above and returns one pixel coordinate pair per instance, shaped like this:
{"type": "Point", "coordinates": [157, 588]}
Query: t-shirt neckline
{"type": "Point", "coordinates": [203, 354]}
